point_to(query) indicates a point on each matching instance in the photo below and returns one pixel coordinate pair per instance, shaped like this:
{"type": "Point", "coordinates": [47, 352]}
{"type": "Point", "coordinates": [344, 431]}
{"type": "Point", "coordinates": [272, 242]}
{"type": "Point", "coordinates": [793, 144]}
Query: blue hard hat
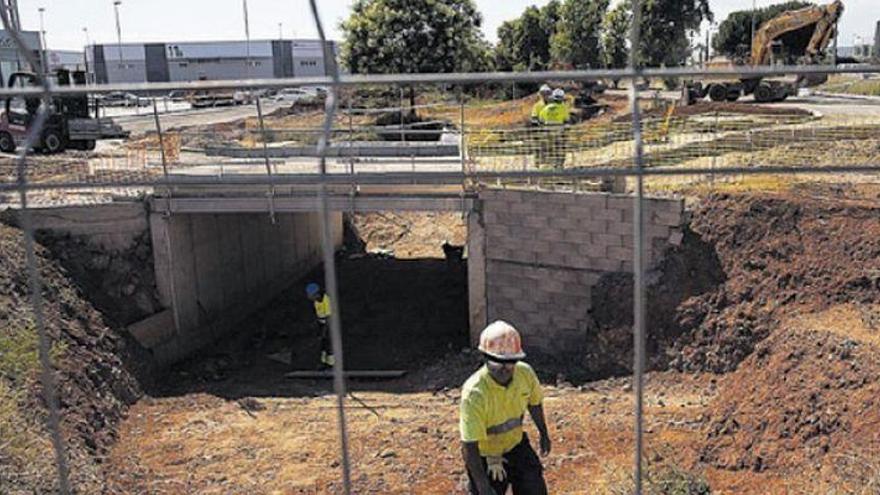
{"type": "Point", "coordinates": [313, 289]}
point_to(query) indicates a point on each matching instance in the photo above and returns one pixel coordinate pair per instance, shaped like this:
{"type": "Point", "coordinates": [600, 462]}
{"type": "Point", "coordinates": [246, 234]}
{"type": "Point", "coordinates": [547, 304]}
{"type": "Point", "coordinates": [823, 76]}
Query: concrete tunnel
{"type": "Point", "coordinates": [533, 257]}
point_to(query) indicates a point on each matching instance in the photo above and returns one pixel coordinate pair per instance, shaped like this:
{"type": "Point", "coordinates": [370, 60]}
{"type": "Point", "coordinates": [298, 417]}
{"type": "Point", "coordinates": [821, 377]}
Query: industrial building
{"type": "Point", "coordinates": [10, 59]}
{"type": "Point", "coordinates": [212, 60]}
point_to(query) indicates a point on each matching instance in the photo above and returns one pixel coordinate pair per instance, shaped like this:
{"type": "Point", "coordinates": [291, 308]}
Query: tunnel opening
{"type": "Point", "coordinates": [403, 289]}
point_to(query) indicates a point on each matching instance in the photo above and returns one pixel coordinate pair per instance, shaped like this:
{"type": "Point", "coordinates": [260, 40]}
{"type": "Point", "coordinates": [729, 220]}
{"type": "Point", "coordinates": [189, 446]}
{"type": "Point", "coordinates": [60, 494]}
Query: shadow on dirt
{"type": "Point", "coordinates": [396, 315]}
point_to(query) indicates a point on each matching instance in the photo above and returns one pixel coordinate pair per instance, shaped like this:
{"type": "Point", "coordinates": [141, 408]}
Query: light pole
{"type": "Point", "coordinates": [116, 4]}
{"type": "Point", "coordinates": [247, 35]}
{"type": "Point", "coordinates": [280, 31]}
{"type": "Point", "coordinates": [86, 51]}
{"type": "Point", "coordinates": [45, 57]}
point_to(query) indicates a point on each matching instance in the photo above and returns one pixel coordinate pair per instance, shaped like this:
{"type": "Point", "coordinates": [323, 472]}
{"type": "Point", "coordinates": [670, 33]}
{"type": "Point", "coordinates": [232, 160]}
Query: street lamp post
{"type": "Point", "coordinates": [247, 36]}
{"type": "Point", "coordinates": [116, 4]}
{"type": "Point", "coordinates": [86, 51]}
{"type": "Point", "coordinates": [45, 57]}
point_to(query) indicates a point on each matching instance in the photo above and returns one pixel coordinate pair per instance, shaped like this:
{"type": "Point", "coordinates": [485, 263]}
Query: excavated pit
{"type": "Point", "coordinates": [722, 302]}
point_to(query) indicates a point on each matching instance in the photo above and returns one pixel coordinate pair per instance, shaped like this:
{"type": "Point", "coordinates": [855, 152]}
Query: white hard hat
{"type": "Point", "coordinates": [558, 94]}
{"type": "Point", "coordinates": [545, 89]}
{"type": "Point", "coordinates": [501, 341]}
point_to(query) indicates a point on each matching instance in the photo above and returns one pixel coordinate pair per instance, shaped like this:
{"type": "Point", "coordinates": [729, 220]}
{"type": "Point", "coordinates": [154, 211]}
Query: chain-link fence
{"type": "Point", "coordinates": [455, 143]}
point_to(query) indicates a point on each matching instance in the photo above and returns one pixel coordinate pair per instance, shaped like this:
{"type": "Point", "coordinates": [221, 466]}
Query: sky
{"type": "Point", "coordinates": [185, 20]}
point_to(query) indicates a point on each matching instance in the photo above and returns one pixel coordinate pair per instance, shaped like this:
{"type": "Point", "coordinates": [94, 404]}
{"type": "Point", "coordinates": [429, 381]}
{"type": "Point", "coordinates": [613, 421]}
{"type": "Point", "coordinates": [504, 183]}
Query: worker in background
{"type": "Point", "coordinates": [321, 302]}
{"type": "Point", "coordinates": [556, 112]}
{"type": "Point", "coordinates": [544, 95]}
{"type": "Point", "coordinates": [554, 116]}
{"type": "Point", "coordinates": [496, 451]}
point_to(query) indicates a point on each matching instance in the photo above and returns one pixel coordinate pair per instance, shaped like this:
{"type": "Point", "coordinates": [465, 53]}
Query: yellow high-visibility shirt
{"type": "Point", "coordinates": [491, 414]}
{"type": "Point", "coordinates": [555, 114]}
{"type": "Point", "coordinates": [322, 308]}
{"type": "Point", "coordinates": [536, 109]}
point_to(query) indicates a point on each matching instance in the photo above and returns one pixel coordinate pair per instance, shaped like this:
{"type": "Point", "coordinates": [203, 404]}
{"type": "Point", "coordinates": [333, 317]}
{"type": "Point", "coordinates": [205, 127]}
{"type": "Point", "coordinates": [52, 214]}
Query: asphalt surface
{"type": "Point", "coordinates": [140, 124]}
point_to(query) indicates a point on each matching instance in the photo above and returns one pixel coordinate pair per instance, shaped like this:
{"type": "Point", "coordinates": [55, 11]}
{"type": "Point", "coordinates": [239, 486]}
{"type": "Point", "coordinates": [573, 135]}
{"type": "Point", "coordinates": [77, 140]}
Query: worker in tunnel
{"type": "Point", "coordinates": [496, 450]}
{"type": "Point", "coordinates": [321, 302]}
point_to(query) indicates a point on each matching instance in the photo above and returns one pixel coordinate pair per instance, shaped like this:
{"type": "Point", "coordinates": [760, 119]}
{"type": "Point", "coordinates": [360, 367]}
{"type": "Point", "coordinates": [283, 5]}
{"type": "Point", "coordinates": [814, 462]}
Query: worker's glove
{"type": "Point", "coordinates": [495, 468]}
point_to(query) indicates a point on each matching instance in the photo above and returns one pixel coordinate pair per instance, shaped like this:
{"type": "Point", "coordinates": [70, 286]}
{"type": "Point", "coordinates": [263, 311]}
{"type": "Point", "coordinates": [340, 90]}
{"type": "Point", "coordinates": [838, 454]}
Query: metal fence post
{"type": "Point", "coordinates": [161, 140]}
{"type": "Point", "coordinates": [462, 149]}
{"type": "Point", "coordinates": [354, 189]}
{"type": "Point", "coordinates": [264, 137]}
{"type": "Point", "coordinates": [400, 107]}
{"type": "Point", "coordinates": [35, 282]}
{"type": "Point", "coordinates": [639, 286]}
{"type": "Point", "coordinates": [329, 258]}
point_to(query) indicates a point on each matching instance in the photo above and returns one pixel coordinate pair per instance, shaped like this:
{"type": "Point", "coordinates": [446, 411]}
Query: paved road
{"type": "Point", "coordinates": [139, 124]}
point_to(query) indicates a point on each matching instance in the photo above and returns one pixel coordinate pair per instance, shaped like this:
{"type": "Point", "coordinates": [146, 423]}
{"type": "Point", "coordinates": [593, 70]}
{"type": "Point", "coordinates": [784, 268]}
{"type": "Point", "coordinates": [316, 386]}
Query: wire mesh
{"type": "Point", "coordinates": [470, 143]}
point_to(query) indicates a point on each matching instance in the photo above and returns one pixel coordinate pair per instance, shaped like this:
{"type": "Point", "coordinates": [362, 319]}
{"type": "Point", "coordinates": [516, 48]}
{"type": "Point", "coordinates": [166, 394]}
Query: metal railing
{"type": "Point", "coordinates": [637, 150]}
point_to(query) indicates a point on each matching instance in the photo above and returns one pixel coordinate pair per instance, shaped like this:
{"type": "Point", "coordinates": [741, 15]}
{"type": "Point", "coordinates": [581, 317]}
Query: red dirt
{"type": "Point", "coordinates": [780, 255]}
{"type": "Point", "coordinates": [95, 385]}
{"type": "Point", "coordinates": [803, 395]}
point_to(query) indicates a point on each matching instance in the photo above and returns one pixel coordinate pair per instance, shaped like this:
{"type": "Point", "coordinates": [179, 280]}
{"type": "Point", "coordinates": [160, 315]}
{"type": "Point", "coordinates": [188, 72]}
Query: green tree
{"type": "Point", "coordinates": [734, 37]}
{"type": "Point", "coordinates": [665, 27]}
{"type": "Point", "coordinates": [413, 36]}
{"type": "Point", "coordinates": [577, 40]}
{"type": "Point", "coordinates": [507, 49]}
{"type": "Point", "coordinates": [524, 42]}
{"type": "Point", "coordinates": [533, 41]}
{"type": "Point", "coordinates": [615, 33]}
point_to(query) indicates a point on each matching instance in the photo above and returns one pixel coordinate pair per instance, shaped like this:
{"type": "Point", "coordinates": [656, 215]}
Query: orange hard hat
{"type": "Point", "coordinates": [501, 341]}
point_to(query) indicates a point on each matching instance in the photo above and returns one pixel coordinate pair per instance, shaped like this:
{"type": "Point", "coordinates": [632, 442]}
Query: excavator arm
{"type": "Point", "coordinates": [824, 17]}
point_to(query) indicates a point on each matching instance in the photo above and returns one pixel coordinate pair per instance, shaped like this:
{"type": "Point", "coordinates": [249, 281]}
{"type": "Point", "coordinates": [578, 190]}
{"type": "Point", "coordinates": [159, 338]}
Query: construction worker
{"type": "Point", "coordinates": [321, 302]}
{"type": "Point", "coordinates": [556, 112]}
{"type": "Point", "coordinates": [544, 95]}
{"type": "Point", "coordinates": [554, 116]}
{"type": "Point", "coordinates": [494, 400]}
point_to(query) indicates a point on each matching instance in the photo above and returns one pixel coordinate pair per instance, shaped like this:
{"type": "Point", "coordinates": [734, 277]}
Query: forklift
{"type": "Point", "coordinates": [69, 124]}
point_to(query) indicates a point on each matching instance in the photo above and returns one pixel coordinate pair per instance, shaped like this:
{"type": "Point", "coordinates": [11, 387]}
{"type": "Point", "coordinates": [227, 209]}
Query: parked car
{"type": "Point", "coordinates": [295, 95]}
{"type": "Point", "coordinates": [122, 99]}
{"type": "Point", "coordinates": [244, 97]}
{"type": "Point", "coordinates": [204, 99]}
{"type": "Point", "coordinates": [178, 95]}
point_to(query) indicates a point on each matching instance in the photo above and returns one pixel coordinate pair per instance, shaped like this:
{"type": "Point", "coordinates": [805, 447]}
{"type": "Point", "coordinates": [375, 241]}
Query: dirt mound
{"type": "Point", "coordinates": [801, 395]}
{"type": "Point", "coordinates": [685, 271]}
{"type": "Point", "coordinates": [95, 385]}
{"type": "Point", "coordinates": [409, 235]}
{"type": "Point", "coordinates": [780, 254]}
{"type": "Point", "coordinates": [120, 284]}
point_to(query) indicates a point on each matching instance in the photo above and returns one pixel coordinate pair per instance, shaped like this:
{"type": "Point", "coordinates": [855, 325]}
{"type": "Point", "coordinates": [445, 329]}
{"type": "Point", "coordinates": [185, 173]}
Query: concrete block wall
{"type": "Point", "coordinates": [539, 256]}
{"type": "Point", "coordinates": [214, 269]}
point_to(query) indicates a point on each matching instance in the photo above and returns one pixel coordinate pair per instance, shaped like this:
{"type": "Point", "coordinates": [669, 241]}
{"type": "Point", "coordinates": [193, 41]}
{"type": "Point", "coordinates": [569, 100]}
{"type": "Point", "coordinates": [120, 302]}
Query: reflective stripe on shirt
{"type": "Point", "coordinates": [505, 426]}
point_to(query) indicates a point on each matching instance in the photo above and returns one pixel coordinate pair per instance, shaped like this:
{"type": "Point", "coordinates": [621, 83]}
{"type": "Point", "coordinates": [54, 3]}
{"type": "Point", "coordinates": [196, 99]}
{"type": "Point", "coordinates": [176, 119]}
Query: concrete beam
{"type": "Point", "coordinates": [307, 204]}
{"type": "Point", "coordinates": [428, 149]}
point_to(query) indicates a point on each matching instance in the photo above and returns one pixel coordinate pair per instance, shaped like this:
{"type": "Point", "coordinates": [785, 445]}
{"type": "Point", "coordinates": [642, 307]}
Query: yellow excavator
{"type": "Point", "coordinates": [822, 19]}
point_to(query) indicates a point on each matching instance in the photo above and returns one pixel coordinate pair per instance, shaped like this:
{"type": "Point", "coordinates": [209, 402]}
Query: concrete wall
{"type": "Point", "coordinates": [535, 257]}
{"type": "Point", "coordinates": [212, 270]}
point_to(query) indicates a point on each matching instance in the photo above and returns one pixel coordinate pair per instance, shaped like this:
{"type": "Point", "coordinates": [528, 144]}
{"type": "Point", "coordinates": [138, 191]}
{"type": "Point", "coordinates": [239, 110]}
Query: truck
{"type": "Point", "coordinates": [69, 124]}
{"type": "Point", "coordinates": [822, 20]}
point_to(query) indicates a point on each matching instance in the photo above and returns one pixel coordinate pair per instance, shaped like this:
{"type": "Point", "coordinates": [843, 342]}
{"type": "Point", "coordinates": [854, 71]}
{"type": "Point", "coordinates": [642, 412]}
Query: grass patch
{"type": "Point", "coordinates": [664, 477]}
{"type": "Point", "coordinates": [25, 451]}
{"type": "Point", "coordinates": [849, 86]}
